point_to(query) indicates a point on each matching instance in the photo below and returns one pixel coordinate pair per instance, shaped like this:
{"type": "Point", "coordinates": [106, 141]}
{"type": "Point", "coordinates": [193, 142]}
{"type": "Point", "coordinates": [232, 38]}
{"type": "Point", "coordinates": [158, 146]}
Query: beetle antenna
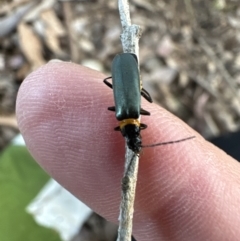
{"type": "Point", "coordinates": [169, 142]}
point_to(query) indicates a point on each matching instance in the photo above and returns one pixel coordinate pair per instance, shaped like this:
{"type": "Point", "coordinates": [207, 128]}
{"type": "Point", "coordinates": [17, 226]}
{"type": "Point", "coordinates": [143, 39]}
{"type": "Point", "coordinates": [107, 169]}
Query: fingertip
{"type": "Point", "coordinates": [56, 82]}
{"type": "Point", "coordinates": [62, 114]}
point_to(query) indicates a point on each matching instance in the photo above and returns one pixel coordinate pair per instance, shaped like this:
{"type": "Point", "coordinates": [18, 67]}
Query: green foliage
{"type": "Point", "coordinates": [20, 181]}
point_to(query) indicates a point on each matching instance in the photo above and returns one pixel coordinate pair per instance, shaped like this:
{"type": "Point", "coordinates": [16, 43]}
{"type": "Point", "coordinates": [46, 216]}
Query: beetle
{"type": "Point", "coordinates": [127, 90]}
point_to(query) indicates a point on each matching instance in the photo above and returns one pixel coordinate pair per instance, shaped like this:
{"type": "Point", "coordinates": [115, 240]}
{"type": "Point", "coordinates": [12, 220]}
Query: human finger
{"type": "Point", "coordinates": [186, 191]}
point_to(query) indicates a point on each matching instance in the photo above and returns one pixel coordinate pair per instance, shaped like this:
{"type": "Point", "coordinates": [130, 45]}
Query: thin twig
{"type": "Point", "coordinates": [9, 23]}
{"type": "Point", "coordinates": [129, 37]}
{"type": "Point", "coordinates": [10, 121]}
{"type": "Point", "coordinates": [131, 33]}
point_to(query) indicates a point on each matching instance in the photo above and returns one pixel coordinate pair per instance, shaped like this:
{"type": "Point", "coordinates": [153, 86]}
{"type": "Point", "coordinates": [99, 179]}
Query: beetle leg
{"type": "Point", "coordinates": [143, 126]}
{"type": "Point", "coordinates": [144, 112]}
{"type": "Point", "coordinates": [112, 108]}
{"type": "Point", "coordinates": [107, 83]}
{"type": "Point", "coordinates": [146, 95]}
{"type": "Point", "coordinates": [117, 128]}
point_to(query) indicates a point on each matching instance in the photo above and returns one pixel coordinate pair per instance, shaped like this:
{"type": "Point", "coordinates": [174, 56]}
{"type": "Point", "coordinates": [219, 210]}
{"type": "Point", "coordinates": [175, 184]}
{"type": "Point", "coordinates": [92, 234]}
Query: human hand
{"type": "Point", "coordinates": [185, 191]}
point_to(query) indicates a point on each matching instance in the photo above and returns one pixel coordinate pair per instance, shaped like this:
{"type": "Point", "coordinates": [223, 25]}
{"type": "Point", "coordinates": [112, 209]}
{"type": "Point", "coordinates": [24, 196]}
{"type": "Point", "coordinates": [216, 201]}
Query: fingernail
{"type": "Point", "coordinates": [55, 61]}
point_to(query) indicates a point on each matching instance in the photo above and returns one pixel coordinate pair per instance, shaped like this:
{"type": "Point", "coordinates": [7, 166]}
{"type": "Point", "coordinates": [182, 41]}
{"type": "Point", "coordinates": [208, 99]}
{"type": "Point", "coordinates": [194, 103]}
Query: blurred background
{"type": "Point", "coordinates": [189, 62]}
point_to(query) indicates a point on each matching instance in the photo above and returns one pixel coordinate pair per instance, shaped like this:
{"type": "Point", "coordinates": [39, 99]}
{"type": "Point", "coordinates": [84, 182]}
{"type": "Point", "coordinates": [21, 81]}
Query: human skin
{"type": "Point", "coordinates": [188, 191]}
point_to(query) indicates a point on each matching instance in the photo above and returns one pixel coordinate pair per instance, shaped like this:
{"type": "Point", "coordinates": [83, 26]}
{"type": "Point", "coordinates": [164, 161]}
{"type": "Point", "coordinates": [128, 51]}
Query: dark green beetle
{"type": "Point", "coordinates": [127, 90]}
